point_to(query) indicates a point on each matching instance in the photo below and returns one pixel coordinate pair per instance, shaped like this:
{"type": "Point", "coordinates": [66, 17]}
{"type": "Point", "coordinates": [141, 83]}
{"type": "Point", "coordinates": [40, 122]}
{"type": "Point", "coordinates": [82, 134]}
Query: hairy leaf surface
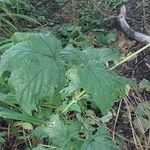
{"type": "Point", "coordinates": [104, 85]}
{"type": "Point", "coordinates": [100, 141]}
{"type": "Point", "coordinates": [57, 130]}
{"type": "Point", "coordinates": [103, 55]}
{"type": "Point", "coordinates": [73, 56]}
{"type": "Point", "coordinates": [36, 69]}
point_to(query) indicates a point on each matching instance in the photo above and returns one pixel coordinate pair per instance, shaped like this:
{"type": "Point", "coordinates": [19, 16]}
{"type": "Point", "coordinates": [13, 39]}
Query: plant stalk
{"type": "Point", "coordinates": [73, 101]}
{"type": "Point", "coordinates": [130, 57]}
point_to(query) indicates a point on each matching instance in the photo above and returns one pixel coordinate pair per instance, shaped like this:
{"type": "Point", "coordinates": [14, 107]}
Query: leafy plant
{"type": "Point", "coordinates": [57, 129]}
{"type": "Point", "coordinates": [101, 140]}
{"type": "Point", "coordinates": [40, 72]}
{"type": "Point", "coordinates": [12, 11]}
{"type": "Point", "coordinates": [62, 95]}
{"type": "Point", "coordinates": [142, 122]}
{"type": "Point", "coordinates": [114, 3]}
{"type": "Point", "coordinates": [38, 68]}
{"type": "Point", "coordinates": [145, 84]}
{"type": "Point", "coordinates": [61, 2]}
{"type": "Point", "coordinates": [2, 134]}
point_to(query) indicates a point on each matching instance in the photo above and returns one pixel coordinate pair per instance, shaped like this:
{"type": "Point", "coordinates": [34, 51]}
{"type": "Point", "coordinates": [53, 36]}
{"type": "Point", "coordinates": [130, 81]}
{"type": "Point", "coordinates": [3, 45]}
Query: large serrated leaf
{"type": "Point", "coordinates": [36, 69]}
{"type": "Point", "coordinates": [100, 141]}
{"type": "Point", "coordinates": [56, 130]}
{"type": "Point", "coordinates": [104, 85]}
{"type": "Point", "coordinates": [73, 56]}
{"type": "Point", "coordinates": [103, 54]}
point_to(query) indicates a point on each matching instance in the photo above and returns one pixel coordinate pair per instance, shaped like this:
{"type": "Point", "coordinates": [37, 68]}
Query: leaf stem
{"type": "Point", "coordinates": [69, 105]}
{"type": "Point", "coordinates": [79, 96]}
{"type": "Point", "coordinates": [74, 101]}
{"type": "Point", "coordinates": [130, 57]}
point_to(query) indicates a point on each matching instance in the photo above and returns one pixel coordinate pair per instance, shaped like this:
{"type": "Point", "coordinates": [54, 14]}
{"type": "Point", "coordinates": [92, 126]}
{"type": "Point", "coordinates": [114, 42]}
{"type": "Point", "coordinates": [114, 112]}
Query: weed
{"type": "Point", "coordinates": [57, 89]}
{"type": "Point", "coordinates": [11, 14]}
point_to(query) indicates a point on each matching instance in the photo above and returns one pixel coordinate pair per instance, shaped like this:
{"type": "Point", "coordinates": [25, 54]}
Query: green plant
{"type": "Point", "coordinates": [114, 3]}
{"type": "Point", "coordinates": [61, 2]}
{"type": "Point", "coordinates": [48, 82]}
{"type": "Point", "coordinates": [65, 95]}
{"type": "Point", "coordinates": [12, 12]}
{"type": "Point", "coordinates": [89, 66]}
{"type": "Point", "coordinates": [2, 134]}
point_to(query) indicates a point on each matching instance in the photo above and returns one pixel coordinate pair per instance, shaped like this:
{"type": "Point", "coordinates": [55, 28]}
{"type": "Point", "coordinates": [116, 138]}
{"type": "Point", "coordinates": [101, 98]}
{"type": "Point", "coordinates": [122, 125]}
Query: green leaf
{"type": "Point", "coordinates": [74, 107]}
{"type": "Point", "coordinates": [5, 1]}
{"type": "Point", "coordinates": [2, 96]}
{"type": "Point", "coordinates": [39, 133]}
{"type": "Point", "coordinates": [72, 56]}
{"type": "Point", "coordinates": [2, 135]}
{"type": "Point", "coordinates": [143, 109]}
{"type": "Point", "coordinates": [74, 84]}
{"type": "Point", "coordinates": [18, 116]}
{"type": "Point", "coordinates": [106, 118]}
{"type": "Point", "coordinates": [100, 141]}
{"type": "Point", "coordinates": [73, 145]}
{"type": "Point", "coordinates": [142, 120]}
{"type": "Point", "coordinates": [145, 84]}
{"type": "Point", "coordinates": [56, 130]}
{"type": "Point", "coordinates": [142, 124]}
{"type": "Point", "coordinates": [36, 69]}
{"type": "Point", "coordinates": [74, 128]}
{"type": "Point", "coordinates": [104, 85]}
{"type": "Point", "coordinates": [20, 37]}
{"type": "Point", "coordinates": [111, 37]}
{"type": "Point", "coordinates": [106, 38]}
{"type": "Point", "coordinates": [8, 98]}
{"type": "Point", "coordinates": [103, 55]}
{"type": "Point", "coordinates": [27, 126]}
{"type": "Point", "coordinates": [40, 148]}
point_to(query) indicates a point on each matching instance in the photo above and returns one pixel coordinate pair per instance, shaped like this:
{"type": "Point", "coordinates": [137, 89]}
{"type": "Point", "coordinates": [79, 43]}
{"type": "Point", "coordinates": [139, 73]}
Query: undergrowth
{"type": "Point", "coordinates": [58, 87]}
{"type": "Point", "coordinates": [13, 14]}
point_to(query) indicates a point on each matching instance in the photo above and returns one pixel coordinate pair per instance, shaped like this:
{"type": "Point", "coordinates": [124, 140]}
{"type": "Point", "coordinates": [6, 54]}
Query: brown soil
{"type": "Point", "coordinates": [139, 68]}
{"type": "Point", "coordinates": [139, 15]}
{"type": "Point", "coordinates": [139, 19]}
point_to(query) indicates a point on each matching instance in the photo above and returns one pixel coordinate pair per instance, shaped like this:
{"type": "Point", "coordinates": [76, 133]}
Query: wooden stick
{"type": "Point", "coordinates": [128, 31]}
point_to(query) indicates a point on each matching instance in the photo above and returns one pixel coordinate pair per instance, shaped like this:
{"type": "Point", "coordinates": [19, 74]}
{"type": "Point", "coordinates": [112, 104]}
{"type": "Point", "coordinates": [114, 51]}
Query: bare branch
{"type": "Point", "coordinates": [130, 33]}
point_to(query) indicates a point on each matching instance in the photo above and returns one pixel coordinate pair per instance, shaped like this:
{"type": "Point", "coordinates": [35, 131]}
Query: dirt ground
{"type": "Point", "coordinates": [138, 17]}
